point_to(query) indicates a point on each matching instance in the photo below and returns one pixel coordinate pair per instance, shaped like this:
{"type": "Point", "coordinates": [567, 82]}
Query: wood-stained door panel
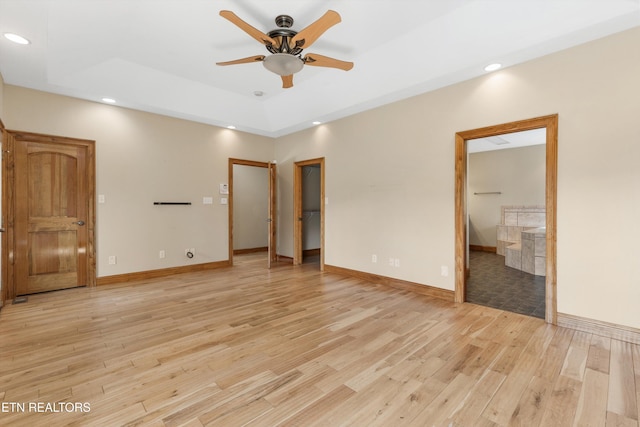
{"type": "Point", "coordinates": [51, 213]}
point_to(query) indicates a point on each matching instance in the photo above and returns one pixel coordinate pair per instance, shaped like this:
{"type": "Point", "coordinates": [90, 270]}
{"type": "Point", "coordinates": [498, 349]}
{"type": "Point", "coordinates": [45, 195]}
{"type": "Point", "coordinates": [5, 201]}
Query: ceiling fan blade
{"type": "Point", "coordinates": [287, 81]}
{"type": "Point", "coordinates": [257, 58]}
{"type": "Point", "coordinates": [316, 60]}
{"type": "Point", "coordinates": [310, 34]}
{"type": "Point", "coordinates": [253, 32]}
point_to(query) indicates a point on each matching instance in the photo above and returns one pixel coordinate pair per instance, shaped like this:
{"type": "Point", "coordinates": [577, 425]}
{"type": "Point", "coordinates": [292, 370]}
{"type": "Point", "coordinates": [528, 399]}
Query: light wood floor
{"type": "Point", "coordinates": [295, 347]}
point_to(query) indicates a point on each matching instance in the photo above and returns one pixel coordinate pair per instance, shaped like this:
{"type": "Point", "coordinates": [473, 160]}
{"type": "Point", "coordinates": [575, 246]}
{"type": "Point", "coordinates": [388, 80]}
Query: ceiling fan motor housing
{"type": "Point", "coordinates": [284, 35]}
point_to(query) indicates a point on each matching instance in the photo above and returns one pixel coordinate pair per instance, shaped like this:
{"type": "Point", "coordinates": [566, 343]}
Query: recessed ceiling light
{"type": "Point", "coordinates": [317, 123]}
{"type": "Point", "coordinates": [109, 100]}
{"type": "Point", "coordinates": [231, 127]}
{"type": "Point", "coordinates": [493, 67]}
{"type": "Point", "coordinates": [258, 93]}
{"type": "Point", "coordinates": [16, 38]}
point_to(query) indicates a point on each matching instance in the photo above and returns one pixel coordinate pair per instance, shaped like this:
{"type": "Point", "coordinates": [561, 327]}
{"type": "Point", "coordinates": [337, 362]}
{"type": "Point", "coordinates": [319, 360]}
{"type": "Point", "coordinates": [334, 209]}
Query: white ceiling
{"type": "Point", "coordinates": [159, 55]}
{"type": "Point", "coordinates": [508, 140]}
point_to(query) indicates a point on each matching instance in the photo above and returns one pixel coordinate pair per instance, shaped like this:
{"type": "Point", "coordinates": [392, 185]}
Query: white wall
{"type": "Point", "coordinates": [517, 173]}
{"type": "Point", "coordinates": [390, 174]}
{"type": "Point", "coordinates": [250, 207]}
{"type": "Point", "coordinates": [143, 158]}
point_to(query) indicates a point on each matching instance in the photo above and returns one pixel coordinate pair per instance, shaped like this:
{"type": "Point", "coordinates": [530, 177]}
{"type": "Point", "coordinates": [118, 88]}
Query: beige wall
{"type": "Point", "coordinates": [517, 173]}
{"type": "Point", "coordinates": [250, 207]}
{"type": "Point", "coordinates": [390, 174]}
{"type": "Point", "coordinates": [143, 158]}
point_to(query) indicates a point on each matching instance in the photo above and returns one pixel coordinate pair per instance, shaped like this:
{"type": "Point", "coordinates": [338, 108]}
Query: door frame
{"type": "Point", "coordinates": [550, 123]}
{"type": "Point", "coordinates": [297, 209]}
{"type": "Point", "coordinates": [272, 220]}
{"type": "Point", "coordinates": [3, 218]}
{"type": "Point", "coordinates": [8, 203]}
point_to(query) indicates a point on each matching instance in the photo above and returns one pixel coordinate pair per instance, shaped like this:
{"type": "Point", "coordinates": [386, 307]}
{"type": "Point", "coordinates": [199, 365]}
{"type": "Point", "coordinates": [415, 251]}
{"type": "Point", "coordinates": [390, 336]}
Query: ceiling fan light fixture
{"type": "Point", "coordinates": [283, 64]}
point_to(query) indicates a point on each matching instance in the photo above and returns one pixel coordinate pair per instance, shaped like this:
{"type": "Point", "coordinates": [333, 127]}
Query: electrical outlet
{"type": "Point", "coordinates": [392, 262]}
{"type": "Point", "coordinates": [397, 262]}
{"type": "Point", "coordinates": [113, 260]}
{"type": "Point", "coordinates": [161, 254]}
{"type": "Point", "coordinates": [374, 258]}
{"type": "Point", "coordinates": [444, 270]}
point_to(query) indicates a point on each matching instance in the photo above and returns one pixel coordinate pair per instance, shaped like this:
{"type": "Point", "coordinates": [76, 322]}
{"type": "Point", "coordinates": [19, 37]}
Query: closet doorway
{"type": "Point", "coordinates": [252, 208]}
{"type": "Point", "coordinates": [309, 196]}
{"type": "Point", "coordinates": [550, 124]}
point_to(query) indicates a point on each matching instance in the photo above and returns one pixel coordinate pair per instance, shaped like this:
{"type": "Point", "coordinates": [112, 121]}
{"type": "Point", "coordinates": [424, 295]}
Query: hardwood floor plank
{"type": "Point", "coordinates": [636, 369]}
{"type": "Point", "coordinates": [562, 406]}
{"type": "Point", "coordinates": [622, 385]}
{"type": "Point", "coordinates": [505, 403]}
{"type": "Point", "coordinates": [293, 346]}
{"type": "Point", "coordinates": [312, 414]}
{"type": "Point", "coordinates": [599, 354]}
{"type": "Point", "coordinates": [592, 405]}
{"type": "Point", "coordinates": [469, 410]}
{"type": "Point", "coordinates": [576, 359]}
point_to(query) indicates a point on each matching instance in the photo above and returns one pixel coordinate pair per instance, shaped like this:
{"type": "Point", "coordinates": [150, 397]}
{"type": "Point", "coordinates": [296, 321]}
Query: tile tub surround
{"type": "Point", "coordinates": [534, 244]}
{"type": "Point", "coordinates": [524, 216]}
{"type": "Point", "coordinates": [521, 238]}
{"type": "Point", "coordinates": [514, 220]}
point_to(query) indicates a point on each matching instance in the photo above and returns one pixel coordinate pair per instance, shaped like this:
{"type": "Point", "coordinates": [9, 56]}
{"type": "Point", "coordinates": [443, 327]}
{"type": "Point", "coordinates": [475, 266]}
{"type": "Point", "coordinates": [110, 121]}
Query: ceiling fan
{"type": "Point", "coordinates": [286, 45]}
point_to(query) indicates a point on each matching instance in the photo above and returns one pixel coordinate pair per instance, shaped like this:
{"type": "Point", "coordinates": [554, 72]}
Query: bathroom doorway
{"type": "Point", "coordinates": [550, 124]}
{"type": "Point", "coordinates": [506, 197]}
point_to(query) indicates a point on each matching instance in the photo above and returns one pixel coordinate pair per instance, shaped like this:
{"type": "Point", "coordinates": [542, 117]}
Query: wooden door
{"type": "Point", "coordinates": [271, 216]}
{"type": "Point", "coordinates": [53, 213]}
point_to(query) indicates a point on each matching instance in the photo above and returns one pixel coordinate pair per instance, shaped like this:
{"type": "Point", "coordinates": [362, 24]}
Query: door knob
{"type": "Point", "coordinates": [78, 222]}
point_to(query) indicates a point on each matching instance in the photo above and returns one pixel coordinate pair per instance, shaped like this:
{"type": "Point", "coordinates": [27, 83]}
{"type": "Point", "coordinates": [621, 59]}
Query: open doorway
{"type": "Point", "coordinates": [252, 222]}
{"type": "Point", "coordinates": [506, 220]}
{"type": "Point", "coordinates": [309, 212]}
{"type": "Point", "coordinates": [550, 124]}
